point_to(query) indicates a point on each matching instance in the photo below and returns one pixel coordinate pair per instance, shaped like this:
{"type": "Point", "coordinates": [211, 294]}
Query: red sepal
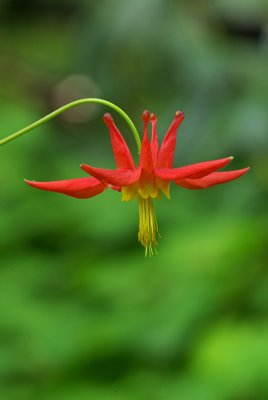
{"type": "Point", "coordinates": [81, 188]}
{"type": "Point", "coordinates": [215, 178]}
{"type": "Point", "coordinates": [113, 177]}
{"type": "Point", "coordinates": [193, 170]}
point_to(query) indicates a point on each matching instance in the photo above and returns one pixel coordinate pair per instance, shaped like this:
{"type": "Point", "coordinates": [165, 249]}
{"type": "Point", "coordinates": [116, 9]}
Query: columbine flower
{"type": "Point", "coordinates": [149, 179]}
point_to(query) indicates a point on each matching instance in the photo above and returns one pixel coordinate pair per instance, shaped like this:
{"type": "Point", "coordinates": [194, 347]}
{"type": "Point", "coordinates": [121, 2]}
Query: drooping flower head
{"type": "Point", "coordinates": [147, 181]}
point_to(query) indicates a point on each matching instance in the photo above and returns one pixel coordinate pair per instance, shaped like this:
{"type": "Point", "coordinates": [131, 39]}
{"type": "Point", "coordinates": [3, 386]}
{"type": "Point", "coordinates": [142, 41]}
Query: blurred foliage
{"type": "Point", "coordinates": [82, 313]}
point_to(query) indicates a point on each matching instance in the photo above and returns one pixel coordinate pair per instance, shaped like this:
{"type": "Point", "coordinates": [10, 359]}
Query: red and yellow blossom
{"type": "Point", "coordinates": [149, 179]}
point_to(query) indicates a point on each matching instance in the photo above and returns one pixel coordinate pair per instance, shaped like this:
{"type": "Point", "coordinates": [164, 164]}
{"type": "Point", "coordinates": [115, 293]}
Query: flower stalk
{"type": "Point", "coordinates": [67, 107]}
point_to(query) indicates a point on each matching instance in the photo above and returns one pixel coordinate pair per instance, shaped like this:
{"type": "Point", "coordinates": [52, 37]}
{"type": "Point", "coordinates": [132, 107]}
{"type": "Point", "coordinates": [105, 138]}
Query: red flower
{"type": "Point", "coordinates": [149, 179]}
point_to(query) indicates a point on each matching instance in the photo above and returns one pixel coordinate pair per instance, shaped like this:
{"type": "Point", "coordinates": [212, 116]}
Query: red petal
{"type": "Point", "coordinates": [113, 177]}
{"type": "Point", "coordinates": [154, 140]}
{"type": "Point", "coordinates": [192, 171]}
{"type": "Point", "coordinates": [167, 150]}
{"type": "Point", "coordinates": [215, 178]}
{"type": "Point", "coordinates": [121, 151]}
{"type": "Point", "coordinates": [81, 188]}
{"type": "Point", "coordinates": [146, 158]}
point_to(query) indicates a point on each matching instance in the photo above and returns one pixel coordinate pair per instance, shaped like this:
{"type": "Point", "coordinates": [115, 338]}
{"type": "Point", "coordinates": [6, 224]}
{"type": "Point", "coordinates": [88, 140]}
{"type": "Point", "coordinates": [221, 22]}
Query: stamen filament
{"type": "Point", "coordinates": [148, 228]}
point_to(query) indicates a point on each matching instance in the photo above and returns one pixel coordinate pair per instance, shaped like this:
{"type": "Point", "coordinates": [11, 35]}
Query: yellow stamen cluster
{"type": "Point", "coordinates": [148, 228]}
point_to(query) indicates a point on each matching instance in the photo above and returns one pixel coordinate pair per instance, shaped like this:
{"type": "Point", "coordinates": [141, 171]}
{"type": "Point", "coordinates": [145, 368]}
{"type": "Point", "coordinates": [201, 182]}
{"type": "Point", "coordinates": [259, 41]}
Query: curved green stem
{"type": "Point", "coordinates": [67, 107]}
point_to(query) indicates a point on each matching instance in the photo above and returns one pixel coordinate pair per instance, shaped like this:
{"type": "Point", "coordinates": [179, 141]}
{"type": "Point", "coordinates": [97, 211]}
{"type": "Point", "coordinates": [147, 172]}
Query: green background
{"type": "Point", "coordinates": [83, 315]}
